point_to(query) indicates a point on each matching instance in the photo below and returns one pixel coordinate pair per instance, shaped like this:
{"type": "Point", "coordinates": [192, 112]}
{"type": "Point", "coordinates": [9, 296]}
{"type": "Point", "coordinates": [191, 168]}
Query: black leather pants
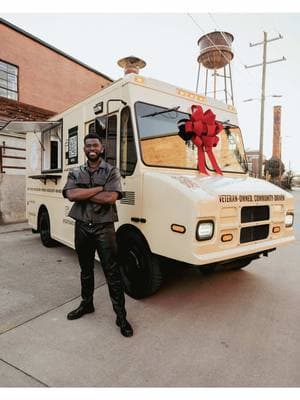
{"type": "Point", "coordinates": [100, 237]}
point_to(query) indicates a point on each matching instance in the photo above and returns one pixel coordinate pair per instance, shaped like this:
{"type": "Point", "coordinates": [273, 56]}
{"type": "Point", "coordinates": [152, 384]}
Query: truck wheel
{"type": "Point", "coordinates": [44, 228]}
{"type": "Point", "coordinates": [140, 270]}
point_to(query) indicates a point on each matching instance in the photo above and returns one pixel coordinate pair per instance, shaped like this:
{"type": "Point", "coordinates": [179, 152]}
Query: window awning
{"type": "Point", "coordinates": [28, 126]}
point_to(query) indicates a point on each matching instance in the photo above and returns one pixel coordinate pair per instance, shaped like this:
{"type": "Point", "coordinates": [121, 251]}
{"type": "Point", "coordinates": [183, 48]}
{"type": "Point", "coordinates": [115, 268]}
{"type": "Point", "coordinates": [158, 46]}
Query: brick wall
{"type": "Point", "coordinates": [47, 79]}
{"type": "Point", "coordinates": [276, 132]}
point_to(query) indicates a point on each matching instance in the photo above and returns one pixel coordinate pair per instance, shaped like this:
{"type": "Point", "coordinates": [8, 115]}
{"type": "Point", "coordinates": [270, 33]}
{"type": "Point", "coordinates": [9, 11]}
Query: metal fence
{"type": "Point", "coordinates": [4, 156]}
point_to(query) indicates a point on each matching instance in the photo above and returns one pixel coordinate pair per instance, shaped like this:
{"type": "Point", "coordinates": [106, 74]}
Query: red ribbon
{"type": "Point", "coordinates": [205, 129]}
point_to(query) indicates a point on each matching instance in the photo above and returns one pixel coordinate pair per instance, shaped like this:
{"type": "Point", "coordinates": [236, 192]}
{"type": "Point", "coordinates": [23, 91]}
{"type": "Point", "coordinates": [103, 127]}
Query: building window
{"type": "Point", "coordinates": [8, 80]}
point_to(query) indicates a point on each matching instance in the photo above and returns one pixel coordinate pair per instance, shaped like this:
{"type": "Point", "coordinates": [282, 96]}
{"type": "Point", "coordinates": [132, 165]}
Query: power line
{"type": "Point", "coordinates": [222, 54]}
{"type": "Point", "coordinates": [252, 78]}
{"type": "Point", "coordinates": [229, 44]}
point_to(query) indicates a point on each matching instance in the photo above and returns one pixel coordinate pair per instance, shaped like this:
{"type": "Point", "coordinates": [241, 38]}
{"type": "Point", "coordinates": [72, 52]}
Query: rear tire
{"type": "Point", "coordinates": [140, 269]}
{"type": "Point", "coordinates": [44, 229]}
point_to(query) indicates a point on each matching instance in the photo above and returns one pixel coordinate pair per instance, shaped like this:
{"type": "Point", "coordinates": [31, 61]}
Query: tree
{"type": "Point", "coordinates": [287, 179]}
{"type": "Point", "coordinates": [274, 167]}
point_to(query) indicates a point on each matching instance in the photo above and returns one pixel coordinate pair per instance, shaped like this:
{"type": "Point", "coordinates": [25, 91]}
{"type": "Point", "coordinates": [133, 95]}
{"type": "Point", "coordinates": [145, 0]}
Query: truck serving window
{"type": "Point", "coordinates": [51, 152]}
{"type": "Point", "coordinates": [161, 145]}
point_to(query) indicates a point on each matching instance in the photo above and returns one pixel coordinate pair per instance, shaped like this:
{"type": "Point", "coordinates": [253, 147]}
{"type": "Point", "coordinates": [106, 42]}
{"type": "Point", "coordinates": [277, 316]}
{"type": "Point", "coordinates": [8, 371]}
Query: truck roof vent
{"type": "Point", "coordinates": [131, 64]}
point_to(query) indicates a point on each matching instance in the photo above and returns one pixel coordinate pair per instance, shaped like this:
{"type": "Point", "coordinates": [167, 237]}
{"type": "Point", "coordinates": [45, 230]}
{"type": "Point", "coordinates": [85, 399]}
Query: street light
{"type": "Point", "coordinates": [258, 98]}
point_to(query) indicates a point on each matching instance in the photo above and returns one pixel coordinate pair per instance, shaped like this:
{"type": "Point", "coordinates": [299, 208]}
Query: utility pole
{"type": "Point", "coordinates": [263, 95]}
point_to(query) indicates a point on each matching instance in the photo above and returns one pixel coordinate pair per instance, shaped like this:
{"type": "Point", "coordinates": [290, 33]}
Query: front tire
{"type": "Point", "coordinates": [44, 229]}
{"type": "Point", "coordinates": [140, 269]}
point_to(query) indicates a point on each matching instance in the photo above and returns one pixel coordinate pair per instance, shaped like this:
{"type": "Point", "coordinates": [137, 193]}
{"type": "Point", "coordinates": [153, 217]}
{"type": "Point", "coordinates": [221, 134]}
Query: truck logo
{"type": "Point", "coordinates": [188, 182]}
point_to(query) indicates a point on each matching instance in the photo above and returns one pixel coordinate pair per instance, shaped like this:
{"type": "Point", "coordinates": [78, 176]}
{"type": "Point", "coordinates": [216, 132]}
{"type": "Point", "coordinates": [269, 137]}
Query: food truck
{"type": "Point", "coordinates": [170, 210]}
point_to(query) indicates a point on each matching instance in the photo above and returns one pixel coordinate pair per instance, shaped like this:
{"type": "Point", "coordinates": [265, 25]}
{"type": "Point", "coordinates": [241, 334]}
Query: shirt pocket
{"type": "Point", "coordinates": [99, 179]}
{"type": "Point", "coordinates": [83, 181]}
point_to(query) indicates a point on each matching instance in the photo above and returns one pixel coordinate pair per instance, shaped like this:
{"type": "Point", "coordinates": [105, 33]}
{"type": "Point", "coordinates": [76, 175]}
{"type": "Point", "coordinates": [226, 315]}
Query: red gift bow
{"type": "Point", "coordinates": [205, 130]}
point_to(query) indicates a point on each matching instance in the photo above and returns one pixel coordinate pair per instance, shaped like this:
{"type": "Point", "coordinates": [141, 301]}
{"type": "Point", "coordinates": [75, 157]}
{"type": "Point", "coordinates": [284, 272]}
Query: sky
{"type": "Point", "coordinates": [168, 43]}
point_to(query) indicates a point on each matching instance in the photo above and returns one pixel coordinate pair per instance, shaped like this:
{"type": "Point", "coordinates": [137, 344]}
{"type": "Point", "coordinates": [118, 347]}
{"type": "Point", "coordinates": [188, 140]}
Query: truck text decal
{"type": "Point", "coordinates": [229, 198]}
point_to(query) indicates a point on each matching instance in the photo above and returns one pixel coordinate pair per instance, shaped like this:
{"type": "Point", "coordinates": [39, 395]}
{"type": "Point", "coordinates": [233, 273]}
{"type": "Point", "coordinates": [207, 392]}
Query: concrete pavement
{"type": "Point", "coordinates": [232, 329]}
{"type": "Point", "coordinates": [23, 226]}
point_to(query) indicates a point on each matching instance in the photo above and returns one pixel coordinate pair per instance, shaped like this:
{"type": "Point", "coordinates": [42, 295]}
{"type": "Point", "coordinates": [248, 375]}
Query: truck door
{"type": "Point", "coordinates": [130, 205]}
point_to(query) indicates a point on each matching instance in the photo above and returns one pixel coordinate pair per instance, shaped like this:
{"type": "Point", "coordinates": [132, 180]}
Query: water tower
{"type": "Point", "coordinates": [215, 57]}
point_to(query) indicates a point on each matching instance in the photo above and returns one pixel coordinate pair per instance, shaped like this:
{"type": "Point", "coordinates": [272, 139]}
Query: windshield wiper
{"type": "Point", "coordinates": [161, 112]}
{"type": "Point", "coordinates": [227, 124]}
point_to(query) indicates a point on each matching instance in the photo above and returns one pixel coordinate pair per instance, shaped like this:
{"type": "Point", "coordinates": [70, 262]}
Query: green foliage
{"type": "Point", "coordinates": [274, 167]}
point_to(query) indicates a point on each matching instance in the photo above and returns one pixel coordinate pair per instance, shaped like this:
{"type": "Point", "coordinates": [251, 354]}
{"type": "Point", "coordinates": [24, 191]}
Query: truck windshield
{"type": "Point", "coordinates": [162, 146]}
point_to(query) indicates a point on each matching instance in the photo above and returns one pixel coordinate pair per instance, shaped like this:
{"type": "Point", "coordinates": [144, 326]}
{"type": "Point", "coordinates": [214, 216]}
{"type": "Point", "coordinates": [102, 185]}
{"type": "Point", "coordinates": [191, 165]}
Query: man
{"type": "Point", "coordinates": [94, 188]}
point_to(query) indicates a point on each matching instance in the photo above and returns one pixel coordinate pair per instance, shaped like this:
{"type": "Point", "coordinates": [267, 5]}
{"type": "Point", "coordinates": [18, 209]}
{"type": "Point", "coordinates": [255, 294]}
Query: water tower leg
{"type": "Point", "coordinates": [225, 84]}
{"type": "Point", "coordinates": [231, 84]}
{"type": "Point", "coordinates": [198, 76]}
{"type": "Point", "coordinates": [206, 78]}
{"type": "Point", "coordinates": [215, 83]}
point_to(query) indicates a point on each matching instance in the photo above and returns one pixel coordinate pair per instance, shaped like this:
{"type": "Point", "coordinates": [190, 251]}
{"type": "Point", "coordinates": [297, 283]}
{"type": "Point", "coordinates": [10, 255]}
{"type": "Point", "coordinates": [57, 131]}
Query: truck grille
{"type": "Point", "coordinates": [256, 213]}
{"type": "Point", "coordinates": [253, 233]}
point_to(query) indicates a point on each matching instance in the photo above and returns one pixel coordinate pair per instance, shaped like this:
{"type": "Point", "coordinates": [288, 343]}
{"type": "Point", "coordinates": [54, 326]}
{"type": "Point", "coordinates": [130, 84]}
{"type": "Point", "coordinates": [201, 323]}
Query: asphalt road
{"type": "Point", "coordinates": [229, 329]}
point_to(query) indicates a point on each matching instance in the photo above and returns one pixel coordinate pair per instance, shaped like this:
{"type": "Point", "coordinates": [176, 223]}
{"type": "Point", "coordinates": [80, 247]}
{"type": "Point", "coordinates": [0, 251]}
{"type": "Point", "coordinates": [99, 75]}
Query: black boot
{"type": "Point", "coordinates": [125, 327]}
{"type": "Point", "coordinates": [84, 308]}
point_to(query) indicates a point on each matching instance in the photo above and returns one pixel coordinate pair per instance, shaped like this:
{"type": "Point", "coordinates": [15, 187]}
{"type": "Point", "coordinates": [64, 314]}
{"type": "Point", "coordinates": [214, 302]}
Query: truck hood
{"type": "Point", "coordinates": [226, 189]}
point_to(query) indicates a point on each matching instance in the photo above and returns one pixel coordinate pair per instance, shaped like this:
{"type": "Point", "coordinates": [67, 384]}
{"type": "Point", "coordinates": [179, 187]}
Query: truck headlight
{"type": "Point", "coordinates": [289, 219]}
{"type": "Point", "coordinates": [204, 230]}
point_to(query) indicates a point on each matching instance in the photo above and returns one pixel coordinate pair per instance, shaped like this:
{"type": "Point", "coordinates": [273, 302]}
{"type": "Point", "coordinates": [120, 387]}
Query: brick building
{"type": "Point", "coordinates": [37, 81]}
{"type": "Point", "coordinates": [253, 162]}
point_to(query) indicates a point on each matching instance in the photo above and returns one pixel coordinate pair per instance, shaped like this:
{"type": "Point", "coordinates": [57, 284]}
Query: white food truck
{"type": "Point", "coordinates": [169, 209]}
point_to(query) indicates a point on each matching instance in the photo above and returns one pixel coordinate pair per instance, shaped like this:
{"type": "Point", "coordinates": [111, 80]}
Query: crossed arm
{"type": "Point", "coordinates": [95, 194]}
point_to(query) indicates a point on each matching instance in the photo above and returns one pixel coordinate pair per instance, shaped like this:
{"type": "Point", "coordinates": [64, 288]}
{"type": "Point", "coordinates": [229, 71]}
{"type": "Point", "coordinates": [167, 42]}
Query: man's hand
{"type": "Point", "coordinates": [80, 194]}
{"type": "Point", "coordinates": [105, 198]}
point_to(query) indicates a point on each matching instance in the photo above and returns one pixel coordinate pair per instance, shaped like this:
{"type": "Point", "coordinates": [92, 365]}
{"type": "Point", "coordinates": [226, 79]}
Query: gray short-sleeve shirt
{"type": "Point", "coordinates": [105, 175]}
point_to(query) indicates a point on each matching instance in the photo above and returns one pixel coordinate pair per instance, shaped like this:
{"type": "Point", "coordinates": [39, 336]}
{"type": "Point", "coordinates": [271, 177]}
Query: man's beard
{"type": "Point", "coordinates": [93, 158]}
